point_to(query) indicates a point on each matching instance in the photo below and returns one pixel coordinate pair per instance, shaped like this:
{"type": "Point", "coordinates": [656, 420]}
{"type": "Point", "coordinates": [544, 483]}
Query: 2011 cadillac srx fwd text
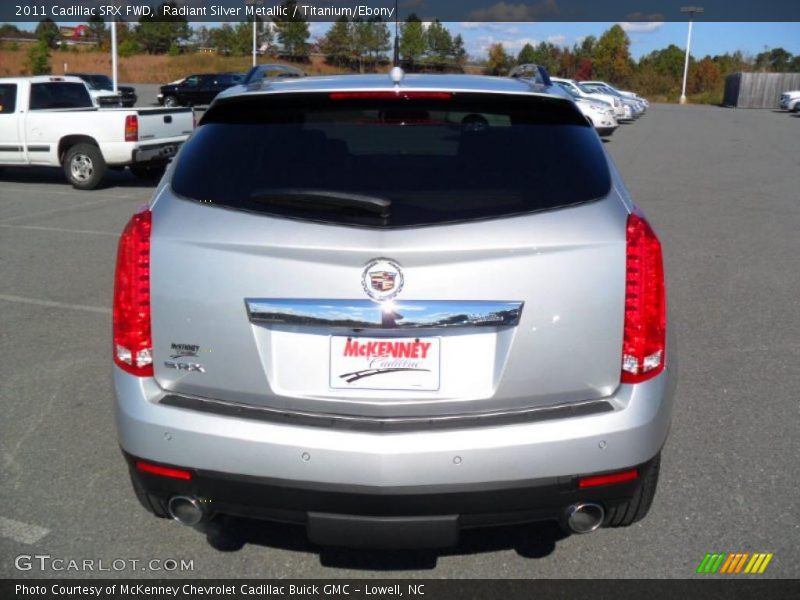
{"type": "Point", "coordinates": [391, 308]}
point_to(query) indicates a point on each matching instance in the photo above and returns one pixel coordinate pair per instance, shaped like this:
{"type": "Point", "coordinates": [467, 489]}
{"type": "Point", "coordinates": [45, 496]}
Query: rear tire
{"type": "Point", "coordinates": [84, 166]}
{"type": "Point", "coordinates": [171, 101]}
{"type": "Point", "coordinates": [148, 173]}
{"type": "Point", "coordinates": [636, 508]}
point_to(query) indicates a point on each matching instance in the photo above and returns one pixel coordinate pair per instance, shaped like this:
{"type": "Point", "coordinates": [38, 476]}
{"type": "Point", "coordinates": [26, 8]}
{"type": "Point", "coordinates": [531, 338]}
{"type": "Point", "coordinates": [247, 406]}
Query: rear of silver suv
{"type": "Point", "coordinates": [389, 311]}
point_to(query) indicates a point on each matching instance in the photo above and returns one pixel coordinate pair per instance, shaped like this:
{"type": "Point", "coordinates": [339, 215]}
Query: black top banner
{"type": "Point", "coordinates": [389, 10]}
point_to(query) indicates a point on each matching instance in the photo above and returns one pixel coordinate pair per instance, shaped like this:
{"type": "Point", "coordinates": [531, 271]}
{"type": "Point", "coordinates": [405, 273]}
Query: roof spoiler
{"type": "Point", "coordinates": [530, 71]}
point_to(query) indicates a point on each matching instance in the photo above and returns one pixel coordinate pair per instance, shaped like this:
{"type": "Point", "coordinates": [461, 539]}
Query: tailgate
{"type": "Point", "coordinates": [162, 123]}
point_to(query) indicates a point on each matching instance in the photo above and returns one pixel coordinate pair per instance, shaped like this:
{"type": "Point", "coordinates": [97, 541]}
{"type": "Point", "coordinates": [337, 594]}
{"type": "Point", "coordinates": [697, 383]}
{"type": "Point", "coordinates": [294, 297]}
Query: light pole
{"type": "Point", "coordinates": [114, 54]}
{"type": "Point", "coordinates": [254, 41]}
{"type": "Point", "coordinates": [691, 10]}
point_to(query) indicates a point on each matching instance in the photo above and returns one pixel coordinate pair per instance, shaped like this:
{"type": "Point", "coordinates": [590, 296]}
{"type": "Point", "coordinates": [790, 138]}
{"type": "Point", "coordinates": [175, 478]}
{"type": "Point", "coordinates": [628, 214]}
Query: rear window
{"type": "Point", "coordinates": [436, 159]}
{"type": "Point", "coordinates": [59, 95]}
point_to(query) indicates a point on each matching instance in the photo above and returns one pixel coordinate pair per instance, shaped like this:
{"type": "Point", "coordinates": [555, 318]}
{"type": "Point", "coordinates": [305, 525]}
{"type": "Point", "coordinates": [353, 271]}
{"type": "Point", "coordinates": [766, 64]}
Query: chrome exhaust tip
{"type": "Point", "coordinates": [186, 510]}
{"type": "Point", "coordinates": [585, 517]}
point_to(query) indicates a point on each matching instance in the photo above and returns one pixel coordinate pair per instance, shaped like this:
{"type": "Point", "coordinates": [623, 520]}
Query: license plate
{"type": "Point", "coordinates": [365, 363]}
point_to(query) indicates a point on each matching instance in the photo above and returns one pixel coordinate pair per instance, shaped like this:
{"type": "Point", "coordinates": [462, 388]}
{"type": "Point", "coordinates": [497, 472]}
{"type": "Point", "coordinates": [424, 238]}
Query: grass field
{"type": "Point", "coordinates": [146, 68]}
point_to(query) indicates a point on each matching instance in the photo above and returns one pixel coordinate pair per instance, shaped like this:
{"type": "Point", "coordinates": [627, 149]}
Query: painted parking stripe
{"type": "Point", "coordinates": [50, 303]}
{"type": "Point", "coordinates": [60, 229]}
{"type": "Point", "coordinates": [18, 531]}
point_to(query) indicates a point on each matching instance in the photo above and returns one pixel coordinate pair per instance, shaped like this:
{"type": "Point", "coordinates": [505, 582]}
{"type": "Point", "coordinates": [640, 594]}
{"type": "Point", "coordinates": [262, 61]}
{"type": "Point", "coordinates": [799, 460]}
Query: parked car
{"type": "Point", "coordinates": [268, 71]}
{"type": "Point", "coordinates": [102, 90]}
{"type": "Point", "coordinates": [197, 90]}
{"type": "Point", "coordinates": [414, 305]}
{"type": "Point", "coordinates": [634, 107]}
{"type": "Point", "coordinates": [790, 101]}
{"type": "Point", "coordinates": [52, 121]}
{"type": "Point", "coordinates": [574, 89]}
{"type": "Point", "coordinates": [600, 114]}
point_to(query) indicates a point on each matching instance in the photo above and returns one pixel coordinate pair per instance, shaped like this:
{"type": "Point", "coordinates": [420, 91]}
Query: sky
{"type": "Point", "coordinates": [707, 37]}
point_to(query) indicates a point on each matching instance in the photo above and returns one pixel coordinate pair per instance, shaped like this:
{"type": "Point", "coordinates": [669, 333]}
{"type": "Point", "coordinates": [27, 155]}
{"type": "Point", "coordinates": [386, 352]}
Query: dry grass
{"type": "Point", "coordinates": [144, 68]}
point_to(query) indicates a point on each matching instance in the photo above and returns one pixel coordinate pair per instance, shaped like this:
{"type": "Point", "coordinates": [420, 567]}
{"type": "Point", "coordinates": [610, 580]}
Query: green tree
{"type": "Point", "coordinates": [157, 34]}
{"type": "Point", "coordinates": [337, 43]}
{"type": "Point", "coordinates": [440, 42]}
{"type": "Point", "coordinates": [459, 51]}
{"type": "Point", "coordinates": [47, 32]}
{"type": "Point", "coordinates": [413, 43]}
{"type": "Point", "coordinates": [293, 33]}
{"type": "Point", "coordinates": [498, 62]}
{"type": "Point", "coordinates": [776, 60]}
{"type": "Point", "coordinates": [39, 58]}
{"type": "Point", "coordinates": [612, 57]}
{"type": "Point", "coordinates": [527, 55]}
{"type": "Point", "coordinates": [97, 29]}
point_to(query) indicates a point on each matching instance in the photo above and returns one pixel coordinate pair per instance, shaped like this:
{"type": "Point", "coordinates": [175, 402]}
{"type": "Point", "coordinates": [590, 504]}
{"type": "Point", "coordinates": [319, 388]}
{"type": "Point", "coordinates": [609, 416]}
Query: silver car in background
{"type": "Point", "coordinates": [388, 310]}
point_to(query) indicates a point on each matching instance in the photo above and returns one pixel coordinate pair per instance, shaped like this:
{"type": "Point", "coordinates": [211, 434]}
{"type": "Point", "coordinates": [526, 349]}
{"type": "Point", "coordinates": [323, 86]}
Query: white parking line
{"type": "Point", "coordinates": [37, 302]}
{"type": "Point", "coordinates": [21, 532]}
{"type": "Point", "coordinates": [58, 210]}
{"type": "Point", "coordinates": [59, 229]}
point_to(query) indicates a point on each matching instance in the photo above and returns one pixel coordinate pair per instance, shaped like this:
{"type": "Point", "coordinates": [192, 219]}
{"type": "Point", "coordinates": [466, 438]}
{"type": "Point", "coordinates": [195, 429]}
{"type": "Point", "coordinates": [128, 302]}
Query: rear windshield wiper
{"type": "Point", "coordinates": [321, 199]}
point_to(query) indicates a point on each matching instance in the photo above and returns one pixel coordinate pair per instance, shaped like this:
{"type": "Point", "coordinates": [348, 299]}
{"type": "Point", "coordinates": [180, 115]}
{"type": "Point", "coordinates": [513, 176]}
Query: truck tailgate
{"type": "Point", "coordinates": [160, 123]}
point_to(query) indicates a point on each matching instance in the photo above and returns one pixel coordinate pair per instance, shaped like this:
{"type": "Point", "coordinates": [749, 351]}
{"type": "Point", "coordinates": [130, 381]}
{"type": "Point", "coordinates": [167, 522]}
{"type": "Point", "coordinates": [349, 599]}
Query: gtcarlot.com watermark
{"type": "Point", "coordinates": [46, 562]}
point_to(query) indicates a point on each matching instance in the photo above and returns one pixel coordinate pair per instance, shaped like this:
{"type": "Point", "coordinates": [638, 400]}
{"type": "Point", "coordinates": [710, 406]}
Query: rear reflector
{"type": "Point", "coordinates": [146, 467]}
{"type": "Point", "coordinates": [644, 342]}
{"type": "Point", "coordinates": [133, 345]}
{"type": "Point", "coordinates": [598, 480]}
{"type": "Point", "coordinates": [131, 128]}
{"type": "Point", "coordinates": [396, 95]}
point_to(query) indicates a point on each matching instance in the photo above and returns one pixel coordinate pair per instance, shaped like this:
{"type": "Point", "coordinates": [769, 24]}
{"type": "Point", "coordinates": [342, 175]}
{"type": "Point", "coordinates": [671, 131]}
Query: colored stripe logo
{"type": "Point", "coordinates": [733, 563]}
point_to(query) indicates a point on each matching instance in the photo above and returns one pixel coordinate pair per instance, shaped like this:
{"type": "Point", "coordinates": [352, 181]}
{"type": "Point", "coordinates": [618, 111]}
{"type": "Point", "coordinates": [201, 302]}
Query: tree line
{"type": "Point", "coordinates": [366, 45]}
{"type": "Point", "coordinates": [657, 74]}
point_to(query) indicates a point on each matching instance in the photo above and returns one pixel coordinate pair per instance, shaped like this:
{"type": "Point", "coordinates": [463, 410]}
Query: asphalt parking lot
{"type": "Point", "coordinates": [721, 187]}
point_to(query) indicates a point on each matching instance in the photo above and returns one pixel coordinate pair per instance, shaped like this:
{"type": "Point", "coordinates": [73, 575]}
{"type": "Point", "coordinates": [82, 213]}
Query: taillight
{"type": "Point", "coordinates": [611, 478]}
{"type": "Point", "coordinates": [644, 343]}
{"type": "Point", "coordinates": [153, 469]}
{"type": "Point", "coordinates": [133, 345]}
{"type": "Point", "coordinates": [131, 128]}
{"type": "Point", "coordinates": [395, 95]}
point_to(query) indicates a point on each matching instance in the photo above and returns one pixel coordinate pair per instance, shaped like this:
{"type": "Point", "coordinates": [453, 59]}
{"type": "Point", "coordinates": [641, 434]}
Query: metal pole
{"type": "Point", "coordinates": [114, 54]}
{"type": "Point", "coordinates": [686, 62]}
{"type": "Point", "coordinates": [692, 10]}
{"type": "Point", "coordinates": [254, 41]}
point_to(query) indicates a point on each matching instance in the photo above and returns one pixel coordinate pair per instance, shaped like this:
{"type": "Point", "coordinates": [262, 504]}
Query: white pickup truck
{"type": "Point", "coordinates": [52, 121]}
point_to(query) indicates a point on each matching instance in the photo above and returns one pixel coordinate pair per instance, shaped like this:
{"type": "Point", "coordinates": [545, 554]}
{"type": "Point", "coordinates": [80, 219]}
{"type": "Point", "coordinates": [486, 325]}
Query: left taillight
{"type": "Point", "coordinates": [133, 345]}
{"type": "Point", "coordinates": [644, 339]}
{"type": "Point", "coordinates": [131, 128]}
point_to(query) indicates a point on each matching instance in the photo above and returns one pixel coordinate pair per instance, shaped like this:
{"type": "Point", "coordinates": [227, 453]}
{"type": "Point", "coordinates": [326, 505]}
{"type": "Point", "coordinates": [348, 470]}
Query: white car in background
{"type": "Point", "coordinates": [600, 114]}
{"type": "Point", "coordinates": [790, 101]}
{"type": "Point", "coordinates": [573, 87]}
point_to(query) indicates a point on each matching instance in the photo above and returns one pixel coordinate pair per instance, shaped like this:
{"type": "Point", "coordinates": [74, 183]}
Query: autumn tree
{"type": "Point", "coordinates": [706, 77]}
{"type": "Point", "coordinates": [612, 58]}
{"type": "Point", "coordinates": [498, 62]}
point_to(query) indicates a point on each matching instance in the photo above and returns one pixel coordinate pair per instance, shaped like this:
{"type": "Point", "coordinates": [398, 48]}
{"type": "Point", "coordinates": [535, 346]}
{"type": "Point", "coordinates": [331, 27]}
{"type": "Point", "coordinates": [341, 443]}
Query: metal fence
{"type": "Point", "coordinates": [758, 90]}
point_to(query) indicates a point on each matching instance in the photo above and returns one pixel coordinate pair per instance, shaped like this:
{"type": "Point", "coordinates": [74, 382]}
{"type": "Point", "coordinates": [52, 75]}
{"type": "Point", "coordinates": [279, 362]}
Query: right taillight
{"type": "Point", "coordinates": [644, 341]}
{"type": "Point", "coordinates": [133, 345]}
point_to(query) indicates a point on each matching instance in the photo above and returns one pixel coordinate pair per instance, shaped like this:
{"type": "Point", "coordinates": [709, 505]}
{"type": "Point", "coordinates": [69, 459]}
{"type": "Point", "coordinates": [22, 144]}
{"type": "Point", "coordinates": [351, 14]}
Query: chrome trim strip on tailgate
{"type": "Point", "coordinates": [366, 314]}
{"type": "Point", "coordinates": [386, 424]}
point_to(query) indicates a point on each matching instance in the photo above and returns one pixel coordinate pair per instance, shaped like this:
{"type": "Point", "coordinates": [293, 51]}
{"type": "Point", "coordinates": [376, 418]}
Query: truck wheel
{"type": "Point", "coordinates": [637, 507]}
{"type": "Point", "coordinates": [171, 101]}
{"type": "Point", "coordinates": [148, 173]}
{"type": "Point", "coordinates": [84, 166]}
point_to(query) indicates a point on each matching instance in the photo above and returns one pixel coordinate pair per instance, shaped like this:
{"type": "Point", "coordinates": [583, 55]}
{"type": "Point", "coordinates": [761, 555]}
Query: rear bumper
{"type": "Point", "coordinates": [159, 153]}
{"type": "Point", "coordinates": [630, 434]}
{"type": "Point", "coordinates": [370, 517]}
